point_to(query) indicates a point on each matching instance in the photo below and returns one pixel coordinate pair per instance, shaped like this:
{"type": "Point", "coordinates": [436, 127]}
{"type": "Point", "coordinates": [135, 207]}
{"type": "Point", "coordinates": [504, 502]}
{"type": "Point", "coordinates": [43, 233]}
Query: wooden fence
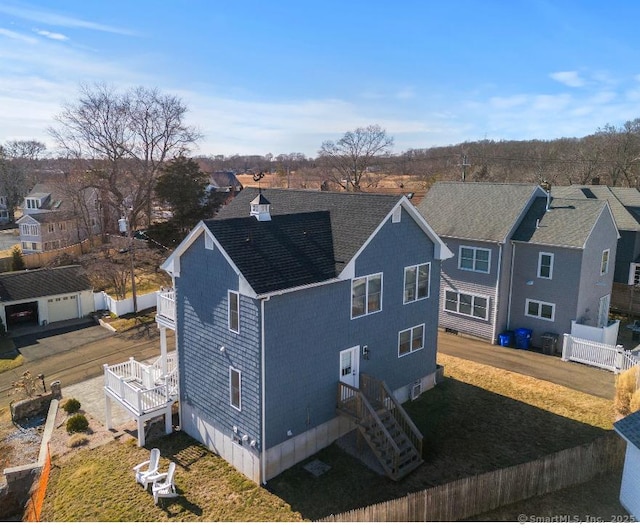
{"type": "Point", "coordinates": [40, 260]}
{"type": "Point", "coordinates": [33, 508]}
{"type": "Point", "coordinates": [478, 494]}
{"type": "Point", "coordinates": [625, 299]}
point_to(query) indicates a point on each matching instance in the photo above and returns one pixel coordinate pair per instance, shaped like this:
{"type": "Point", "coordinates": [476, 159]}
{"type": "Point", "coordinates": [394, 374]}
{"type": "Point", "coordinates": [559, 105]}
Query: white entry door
{"type": "Point", "coordinates": [349, 363]}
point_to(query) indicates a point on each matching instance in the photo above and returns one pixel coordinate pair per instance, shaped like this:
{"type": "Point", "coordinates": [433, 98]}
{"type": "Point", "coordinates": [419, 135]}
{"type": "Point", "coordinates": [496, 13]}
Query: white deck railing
{"type": "Point", "coordinates": [166, 308]}
{"type": "Point", "coordinates": [142, 387]}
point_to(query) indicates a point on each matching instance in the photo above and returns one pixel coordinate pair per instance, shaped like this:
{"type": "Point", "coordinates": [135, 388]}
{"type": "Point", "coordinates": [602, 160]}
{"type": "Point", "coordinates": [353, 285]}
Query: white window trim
{"type": "Point", "coordinates": [416, 266]}
{"type": "Point", "coordinates": [602, 261]}
{"type": "Point", "coordinates": [632, 273]}
{"type": "Point", "coordinates": [540, 303]}
{"type": "Point", "coordinates": [411, 349]}
{"type": "Point", "coordinates": [366, 297]}
{"type": "Point", "coordinates": [397, 215]}
{"type": "Point", "coordinates": [231, 371]}
{"type": "Point", "coordinates": [473, 298]}
{"type": "Point", "coordinates": [208, 241]}
{"type": "Point", "coordinates": [545, 254]}
{"type": "Point", "coordinates": [237, 295]}
{"type": "Point", "coordinates": [475, 250]}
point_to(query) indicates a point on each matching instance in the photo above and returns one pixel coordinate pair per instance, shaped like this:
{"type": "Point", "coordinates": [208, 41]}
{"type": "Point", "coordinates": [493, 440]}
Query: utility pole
{"type": "Point", "coordinates": [465, 164]}
{"type": "Point", "coordinates": [124, 226]}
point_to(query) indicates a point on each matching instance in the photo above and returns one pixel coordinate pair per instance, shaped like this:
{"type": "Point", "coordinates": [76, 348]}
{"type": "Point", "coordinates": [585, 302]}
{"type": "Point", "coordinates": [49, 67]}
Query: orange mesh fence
{"type": "Point", "coordinates": [33, 509]}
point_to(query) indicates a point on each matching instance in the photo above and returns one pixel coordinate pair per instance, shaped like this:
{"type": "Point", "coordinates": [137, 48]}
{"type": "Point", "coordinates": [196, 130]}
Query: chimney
{"type": "Point", "coordinates": [547, 188]}
{"type": "Point", "coordinates": [260, 208]}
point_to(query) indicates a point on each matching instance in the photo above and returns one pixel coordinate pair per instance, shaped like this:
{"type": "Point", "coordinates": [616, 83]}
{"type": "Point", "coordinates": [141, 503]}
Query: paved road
{"type": "Point", "coordinates": [83, 358]}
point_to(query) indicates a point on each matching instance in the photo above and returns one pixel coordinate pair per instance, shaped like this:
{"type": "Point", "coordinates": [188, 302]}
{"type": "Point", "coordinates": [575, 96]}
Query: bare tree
{"type": "Point", "coordinates": [124, 138]}
{"type": "Point", "coordinates": [17, 161]}
{"type": "Point", "coordinates": [348, 161]}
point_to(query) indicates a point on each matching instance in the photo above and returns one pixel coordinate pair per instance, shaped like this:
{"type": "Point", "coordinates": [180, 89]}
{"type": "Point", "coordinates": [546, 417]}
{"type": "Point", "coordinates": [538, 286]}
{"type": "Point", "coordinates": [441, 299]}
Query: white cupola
{"type": "Point", "coordinates": [260, 208]}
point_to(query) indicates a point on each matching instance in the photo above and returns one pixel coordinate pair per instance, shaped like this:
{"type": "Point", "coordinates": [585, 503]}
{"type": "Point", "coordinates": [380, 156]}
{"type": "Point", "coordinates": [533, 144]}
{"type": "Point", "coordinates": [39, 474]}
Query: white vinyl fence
{"type": "Point", "coordinates": [613, 358]}
{"type": "Point", "coordinates": [125, 306]}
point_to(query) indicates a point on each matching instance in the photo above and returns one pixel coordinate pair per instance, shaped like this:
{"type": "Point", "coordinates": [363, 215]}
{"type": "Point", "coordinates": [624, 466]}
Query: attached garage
{"type": "Point", "coordinates": [42, 296]}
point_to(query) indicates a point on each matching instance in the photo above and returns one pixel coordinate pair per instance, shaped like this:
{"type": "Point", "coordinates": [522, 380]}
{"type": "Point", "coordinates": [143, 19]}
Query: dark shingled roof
{"type": "Point", "coordinates": [30, 284]}
{"type": "Point", "coordinates": [618, 199]}
{"type": "Point", "coordinates": [351, 218]}
{"type": "Point", "coordinates": [629, 428]}
{"type": "Point", "coordinates": [475, 210]}
{"type": "Point", "coordinates": [285, 252]}
{"type": "Point", "coordinates": [567, 222]}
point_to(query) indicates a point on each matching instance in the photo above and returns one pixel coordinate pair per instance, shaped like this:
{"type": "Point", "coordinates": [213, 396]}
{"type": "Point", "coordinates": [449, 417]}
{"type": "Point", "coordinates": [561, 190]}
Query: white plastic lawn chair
{"type": "Point", "coordinates": [163, 486]}
{"type": "Point", "coordinates": [146, 471]}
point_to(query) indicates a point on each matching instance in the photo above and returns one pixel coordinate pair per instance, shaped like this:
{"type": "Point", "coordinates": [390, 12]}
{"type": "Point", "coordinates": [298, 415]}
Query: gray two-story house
{"type": "Point", "coordinates": [301, 316]}
{"type": "Point", "coordinates": [50, 220]}
{"type": "Point", "coordinates": [522, 259]}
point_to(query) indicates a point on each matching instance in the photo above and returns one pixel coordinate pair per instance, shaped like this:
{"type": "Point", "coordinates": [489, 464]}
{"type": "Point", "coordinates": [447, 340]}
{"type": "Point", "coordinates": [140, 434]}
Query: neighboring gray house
{"type": "Point", "coordinates": [45, 295]}
{"type": "Point", "coordinates": [507, 274]}
{"type": "Point", "coordinates": [629, 429]}
{"type": "Point", "coordinates": [224, 181]}
{"type": "Point", "coordinates": [625, 206]}
{"type": "Point", "coordinates": [298, 314]}
{"type": "Point", "coordinates": [52, 221]}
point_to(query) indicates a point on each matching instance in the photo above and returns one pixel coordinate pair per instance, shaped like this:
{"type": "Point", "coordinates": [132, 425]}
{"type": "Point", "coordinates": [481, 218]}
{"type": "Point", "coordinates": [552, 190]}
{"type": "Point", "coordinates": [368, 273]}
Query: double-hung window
{"type": "Point", "coordinates": [474, 259]}
{"type": "Point", "coordinates": [545, 265]}
{"type": "Point", "coordinates": [466, 304]}
{"type": "Point", "coordinates": [234, 311]}
{"type": "Point", "coordinates": [366, 295]}
{"type": "Point", "coordinates": [604, 263]}
{"type": "Point", "coordinates": [540, 310]}
{"type": "Point", "coordinates": [416, 282]}
{"type": "Point", "coordinates": [410, 340]}
{"type": "Point", "coordinates": [235, 388]}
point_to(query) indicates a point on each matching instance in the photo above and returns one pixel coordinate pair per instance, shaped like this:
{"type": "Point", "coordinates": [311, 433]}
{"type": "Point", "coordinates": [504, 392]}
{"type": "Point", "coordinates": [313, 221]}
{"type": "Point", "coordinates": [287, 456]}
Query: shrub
{"type": "Point", "coordinates": [77, 440]}
{"type": "Point", "coordinates": [77, 423]}
{"type": "Point", "coordinates": [71, 406]}
{"type": "Point", "coordinates": [625, 387]}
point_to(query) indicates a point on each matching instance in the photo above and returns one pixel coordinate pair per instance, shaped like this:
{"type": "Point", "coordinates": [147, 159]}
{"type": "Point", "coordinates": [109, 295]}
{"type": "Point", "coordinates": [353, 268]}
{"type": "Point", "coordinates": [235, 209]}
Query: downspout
{"type": "Point", "coordinates": [495, 311]}
{"type": "Point", "coordinates": [175, 338]}
{"type": "Point", "coordinates": [513, 256]}
{"type": "Point", "coordinates": [263, 443]}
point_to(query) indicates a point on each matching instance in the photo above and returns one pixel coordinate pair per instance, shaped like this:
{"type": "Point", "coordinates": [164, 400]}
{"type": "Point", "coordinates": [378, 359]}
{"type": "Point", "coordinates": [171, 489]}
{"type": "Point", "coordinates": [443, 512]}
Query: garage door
{"type": "Point", "coordinates": [63, 308]}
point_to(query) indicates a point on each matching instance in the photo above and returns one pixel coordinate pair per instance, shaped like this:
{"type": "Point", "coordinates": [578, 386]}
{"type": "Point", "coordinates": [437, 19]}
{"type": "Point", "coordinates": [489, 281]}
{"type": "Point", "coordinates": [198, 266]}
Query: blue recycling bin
{"type": "Point", "coordinates": [523, 338]}
{"type": "Point", "coordinates": [505, 339]}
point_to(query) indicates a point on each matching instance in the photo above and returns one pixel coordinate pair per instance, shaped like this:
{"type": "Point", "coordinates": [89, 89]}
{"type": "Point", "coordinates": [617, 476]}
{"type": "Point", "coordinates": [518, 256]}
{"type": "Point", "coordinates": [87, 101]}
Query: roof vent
{"type": "Point", "coordinates": [260, 208]}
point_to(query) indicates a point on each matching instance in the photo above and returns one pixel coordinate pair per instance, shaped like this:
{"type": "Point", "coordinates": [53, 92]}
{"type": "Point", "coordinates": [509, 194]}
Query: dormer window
{"type": "Point", "coordinates": [33, 203]}
{"type": "Point", "coordinates": [260, 208]}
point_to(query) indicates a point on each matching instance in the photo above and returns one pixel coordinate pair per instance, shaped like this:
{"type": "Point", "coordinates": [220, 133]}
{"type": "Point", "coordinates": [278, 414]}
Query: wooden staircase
{"type": "Point", "coordinates": [384, 424]}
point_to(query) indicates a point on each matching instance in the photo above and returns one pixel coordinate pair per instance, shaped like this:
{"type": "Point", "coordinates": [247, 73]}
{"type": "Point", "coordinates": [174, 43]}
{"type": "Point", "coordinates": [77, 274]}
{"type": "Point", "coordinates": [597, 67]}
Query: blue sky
{"type": "Point", "coordinates": [282, 76]}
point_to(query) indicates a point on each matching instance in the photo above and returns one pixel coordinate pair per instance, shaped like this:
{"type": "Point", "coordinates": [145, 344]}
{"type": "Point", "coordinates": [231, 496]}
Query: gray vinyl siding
{"type": "Point", "coordinates": [202, 304]}
{"type": "Point", "coordinates": [501, 306]}
{"type": "Point", "coordinates": [307, 329]}
{"type": "Point", "coordinates": [562, 290]}
{"type": "Point", "coordinates": [593, 285]}
{"type": "Point", "coordinates": [628, 248]}
{"type": "Point", "coordinates": [472, 282]}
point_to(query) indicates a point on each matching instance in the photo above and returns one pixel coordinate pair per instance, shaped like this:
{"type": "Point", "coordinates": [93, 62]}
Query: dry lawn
{"type": "Point", "coordinates": [479, 419]}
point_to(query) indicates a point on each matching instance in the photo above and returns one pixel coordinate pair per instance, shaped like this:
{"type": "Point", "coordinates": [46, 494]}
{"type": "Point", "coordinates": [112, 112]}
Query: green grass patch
{"type": "Point", "coordinates": [99, 485]}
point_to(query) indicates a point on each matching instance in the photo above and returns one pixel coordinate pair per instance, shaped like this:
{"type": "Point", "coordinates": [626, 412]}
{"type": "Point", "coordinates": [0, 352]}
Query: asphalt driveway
{"type": "Point", "coordinates": [56, 340]}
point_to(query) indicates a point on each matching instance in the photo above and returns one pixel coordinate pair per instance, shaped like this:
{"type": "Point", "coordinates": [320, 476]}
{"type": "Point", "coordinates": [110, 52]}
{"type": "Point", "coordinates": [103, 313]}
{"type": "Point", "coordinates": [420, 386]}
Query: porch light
{"type": "Point", "coordinates": [365, 352]}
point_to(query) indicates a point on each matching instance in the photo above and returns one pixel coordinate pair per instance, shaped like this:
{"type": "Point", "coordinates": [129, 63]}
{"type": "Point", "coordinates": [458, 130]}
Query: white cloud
{"type": "Point", "coordinates": [54, 19]}
{"type": "Point", "coordinates": [51, 35]}
{"type": "Point", "coordinates": [17, 36]}
{"type": "Point", "coordinates": [568, 78]}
